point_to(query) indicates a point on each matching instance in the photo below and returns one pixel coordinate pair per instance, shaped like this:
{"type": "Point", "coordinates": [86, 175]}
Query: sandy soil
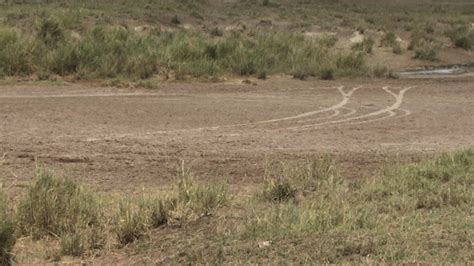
{"type": "Point", "coordinates": [123, 139]}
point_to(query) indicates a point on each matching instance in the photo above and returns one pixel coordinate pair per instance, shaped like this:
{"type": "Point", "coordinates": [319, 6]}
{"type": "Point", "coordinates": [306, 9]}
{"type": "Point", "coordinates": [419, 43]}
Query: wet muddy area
{"type": "Point", "coordinates": [443, 71]}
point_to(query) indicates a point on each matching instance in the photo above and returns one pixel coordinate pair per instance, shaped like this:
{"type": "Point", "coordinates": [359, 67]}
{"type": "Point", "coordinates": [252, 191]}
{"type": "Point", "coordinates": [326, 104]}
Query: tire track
{"type": "Point", "coordinates": [398, 102]}
{"type": "Point", "coordinates": [345, 99]}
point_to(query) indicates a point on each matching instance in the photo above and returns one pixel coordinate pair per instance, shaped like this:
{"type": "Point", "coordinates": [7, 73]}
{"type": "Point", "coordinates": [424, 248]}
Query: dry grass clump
{"type": "Point", "coordinates": [189, 201]}
{"type": "Point", "coordinates": [60, 208]}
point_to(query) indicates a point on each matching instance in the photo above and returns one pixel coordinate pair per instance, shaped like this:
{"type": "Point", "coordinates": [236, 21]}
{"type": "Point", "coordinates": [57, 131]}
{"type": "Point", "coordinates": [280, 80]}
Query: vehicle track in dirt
{"type": "Point", "coordinates": [112, 137]}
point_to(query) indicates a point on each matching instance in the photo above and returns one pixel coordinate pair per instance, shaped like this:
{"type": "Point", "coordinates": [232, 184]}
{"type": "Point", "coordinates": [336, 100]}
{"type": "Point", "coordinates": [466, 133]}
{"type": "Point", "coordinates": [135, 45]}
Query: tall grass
{"type": "Point", "coordinates": [7, 232]}
{"type": "Point", "coordinates": [105, 52]}
{"type": "Point", "coordinates": [60, 208]}
{"type": "Point", "coordinates": [410, 213]}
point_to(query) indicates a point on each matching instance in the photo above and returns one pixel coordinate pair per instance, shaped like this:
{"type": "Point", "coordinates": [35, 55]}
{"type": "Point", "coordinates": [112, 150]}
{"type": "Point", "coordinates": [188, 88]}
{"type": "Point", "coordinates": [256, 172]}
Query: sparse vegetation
{"type": "Point", "coordinates": [295, 211]}
{"type": "Point", "coordinates": [377, 217]}
{"type": "Point", "coordinates": [380, 217]}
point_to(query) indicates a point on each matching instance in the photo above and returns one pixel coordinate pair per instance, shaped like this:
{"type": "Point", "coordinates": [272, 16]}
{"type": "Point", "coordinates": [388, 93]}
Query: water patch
{"type": "Point", "coordinates": [438, 71]}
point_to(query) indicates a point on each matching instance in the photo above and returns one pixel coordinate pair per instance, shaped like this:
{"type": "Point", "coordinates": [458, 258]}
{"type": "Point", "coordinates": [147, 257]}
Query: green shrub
{"type": "Point", "coordinates": [426, 50]}
{"type": "Point", "coordinates": [16, 54]}
{"type": "Point", "coordinates": [60, 207]}
{"type": "Point", "coordinates": [351, 64]}
{"type": "Point", "coordinates": [7, 232]}
{"type": "Point", "coordinates": [50, 32]}
{"type": "Point", "coordinates": [418, 37]}
{"type": "Point", "coordinates": [462, 36]}
{"type": "Point", "coordinates": [388, 39]}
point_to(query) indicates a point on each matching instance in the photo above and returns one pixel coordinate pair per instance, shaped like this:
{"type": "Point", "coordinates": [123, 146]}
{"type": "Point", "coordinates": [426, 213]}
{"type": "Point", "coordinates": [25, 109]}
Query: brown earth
{"type": "Point", "coordinates": [123, 140]}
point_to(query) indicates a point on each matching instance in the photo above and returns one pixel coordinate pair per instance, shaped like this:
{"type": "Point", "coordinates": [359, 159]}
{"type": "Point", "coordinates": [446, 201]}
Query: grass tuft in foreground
{"type": "Point", "coordinates": [60, 208]}
{"type": "Point", "coordinates": [7, 232]}
{"type": "Point", "coordinates": [189, 201]}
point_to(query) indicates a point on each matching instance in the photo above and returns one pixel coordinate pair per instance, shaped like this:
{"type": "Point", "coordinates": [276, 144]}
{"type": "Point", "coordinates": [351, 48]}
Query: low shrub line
{"type": "Point", "coordinates": [107, 52]}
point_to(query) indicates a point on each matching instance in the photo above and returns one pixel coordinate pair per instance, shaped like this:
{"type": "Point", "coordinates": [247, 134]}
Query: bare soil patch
{"type": "Point", "coordinates": [121, 139]}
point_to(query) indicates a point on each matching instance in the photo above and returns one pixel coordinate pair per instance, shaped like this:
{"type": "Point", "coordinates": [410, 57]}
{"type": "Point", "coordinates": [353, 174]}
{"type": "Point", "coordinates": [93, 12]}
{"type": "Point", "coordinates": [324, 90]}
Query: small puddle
{"type": "Point", "coordinates": [438, 71]}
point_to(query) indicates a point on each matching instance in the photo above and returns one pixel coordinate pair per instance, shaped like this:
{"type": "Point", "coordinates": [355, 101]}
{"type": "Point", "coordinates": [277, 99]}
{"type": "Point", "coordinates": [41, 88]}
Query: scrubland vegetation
{"type": "Point", "coordinates": [419, 212]}
{"type": "Point", "coordinates": [179, 39]}
{"type": "Point", "coordinates": [111, 53]}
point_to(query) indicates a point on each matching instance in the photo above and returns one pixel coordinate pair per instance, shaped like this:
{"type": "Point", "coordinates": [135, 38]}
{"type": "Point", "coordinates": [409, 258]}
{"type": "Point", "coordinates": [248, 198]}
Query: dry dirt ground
{"type": "Point", "coordinates": [125, 139]}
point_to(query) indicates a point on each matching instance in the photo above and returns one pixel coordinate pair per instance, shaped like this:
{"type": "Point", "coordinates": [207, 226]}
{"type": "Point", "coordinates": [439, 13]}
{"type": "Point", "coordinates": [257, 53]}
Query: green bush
{"type": "Point", "coordinates": [50, 32]}
{"type": "Point", "coordinates": [388, 39]}
{"type": "Point", "coordinates": [61, 208]}
{"type": "Point", "coordinates": [15, 54]}
{"type": "Point", "coordinates": [426, 50]}
{"type": "Point", "coordinates": [462, 36]}
{"type": "Point", "coordinates": [7, 232]}
{"type": "Point", "coordinates": [419, 37]}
